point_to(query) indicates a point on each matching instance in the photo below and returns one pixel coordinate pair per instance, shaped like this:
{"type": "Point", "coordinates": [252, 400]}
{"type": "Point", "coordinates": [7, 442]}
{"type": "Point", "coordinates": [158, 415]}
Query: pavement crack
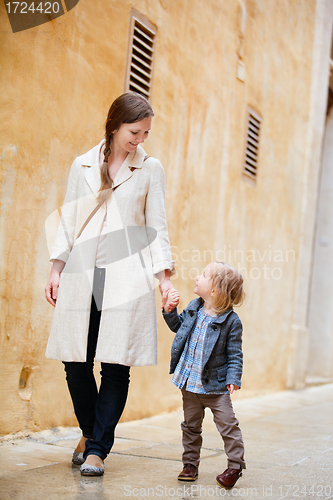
{"type": "Point", "coordinates": [144, 456]}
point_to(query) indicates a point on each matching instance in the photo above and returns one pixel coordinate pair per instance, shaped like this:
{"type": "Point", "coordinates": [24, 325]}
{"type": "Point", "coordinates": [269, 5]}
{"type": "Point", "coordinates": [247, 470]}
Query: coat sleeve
{"type": "Point", "coordinates": [156, 219]}
{"type": "Point", "coordinates": [234, 354]}
{"type": "Point", "coordinates": [173, 319]}
{"type": "Point", "coordinates": [65, 236]}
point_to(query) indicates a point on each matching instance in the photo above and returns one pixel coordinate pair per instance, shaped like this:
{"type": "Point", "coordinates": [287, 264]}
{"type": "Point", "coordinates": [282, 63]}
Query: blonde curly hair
{"type": "Point", "coordinates": [228, 282]}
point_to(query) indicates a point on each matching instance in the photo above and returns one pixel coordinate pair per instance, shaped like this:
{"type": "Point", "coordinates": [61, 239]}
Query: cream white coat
{"type": "Point", "coordinates": [136, 207]}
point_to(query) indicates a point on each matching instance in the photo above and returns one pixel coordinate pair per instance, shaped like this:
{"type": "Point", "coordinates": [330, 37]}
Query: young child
{"type": "Point", "coordinates": [207, 362]}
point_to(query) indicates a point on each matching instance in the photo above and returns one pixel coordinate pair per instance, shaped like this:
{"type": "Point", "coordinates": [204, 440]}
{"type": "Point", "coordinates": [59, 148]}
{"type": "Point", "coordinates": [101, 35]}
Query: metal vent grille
{"type": "Point", "coordinates": [141, 55]}
{"type": "Point", "coordinates": [252, 144]}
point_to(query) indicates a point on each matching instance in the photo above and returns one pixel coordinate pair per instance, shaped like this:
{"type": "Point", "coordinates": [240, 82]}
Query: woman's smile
{"type": "Point", "coordinates": [138, 131]}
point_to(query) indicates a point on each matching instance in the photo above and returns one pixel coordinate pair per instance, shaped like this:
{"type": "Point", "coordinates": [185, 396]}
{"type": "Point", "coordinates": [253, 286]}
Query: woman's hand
{"type": "Point", "coordinates": [165, 285]}
{"type": "Point", "coordinates": [51, 289]}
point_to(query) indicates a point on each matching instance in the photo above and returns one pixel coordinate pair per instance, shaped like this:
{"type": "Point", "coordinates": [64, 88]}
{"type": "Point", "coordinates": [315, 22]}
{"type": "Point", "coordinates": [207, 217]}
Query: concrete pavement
{"type": "Point", "coordinates": [289, 453]}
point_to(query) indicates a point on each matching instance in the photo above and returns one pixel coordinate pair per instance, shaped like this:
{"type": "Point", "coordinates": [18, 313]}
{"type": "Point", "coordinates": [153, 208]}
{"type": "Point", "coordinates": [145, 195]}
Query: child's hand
{"type": "Point", "coordinates": [172, 301]}
{"type": "Point", "coordinates": [231, 388]}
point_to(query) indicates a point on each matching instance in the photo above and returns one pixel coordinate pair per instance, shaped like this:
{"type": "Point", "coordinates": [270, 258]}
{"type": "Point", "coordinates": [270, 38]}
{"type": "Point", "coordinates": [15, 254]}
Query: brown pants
{"type": "Point", "coordinates": [227, 424]}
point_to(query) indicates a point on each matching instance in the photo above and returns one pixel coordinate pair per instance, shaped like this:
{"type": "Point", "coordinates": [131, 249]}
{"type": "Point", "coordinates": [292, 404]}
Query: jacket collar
{"type": "Point", "coordinates": [132, 161]}
{"type": "Point", "coordinates": [91, 159]}
{"type": "Point", "coordinates": [195, 305]}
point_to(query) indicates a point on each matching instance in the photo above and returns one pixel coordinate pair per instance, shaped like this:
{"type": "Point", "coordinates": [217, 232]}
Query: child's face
{"type": "Point", "coordinates": [204, 284]}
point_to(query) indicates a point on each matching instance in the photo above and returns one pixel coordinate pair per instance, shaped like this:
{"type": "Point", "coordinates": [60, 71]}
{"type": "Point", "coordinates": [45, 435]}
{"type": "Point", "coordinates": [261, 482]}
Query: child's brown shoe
{"type": "Point", "coordinates": [229, 478]}
{"type": "Point", "coordinates": [189, 473]}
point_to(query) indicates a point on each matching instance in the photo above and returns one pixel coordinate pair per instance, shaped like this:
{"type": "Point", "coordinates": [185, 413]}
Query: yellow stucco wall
{"type": "Point", "coordinates": [58, 81]}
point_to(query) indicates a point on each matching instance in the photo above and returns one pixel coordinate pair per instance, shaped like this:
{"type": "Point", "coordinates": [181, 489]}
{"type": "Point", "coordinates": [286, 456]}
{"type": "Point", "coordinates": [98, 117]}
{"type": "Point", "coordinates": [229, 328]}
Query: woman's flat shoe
{"type": "Point", "coordinates": [91, 470]}
{"type": "Point", "coordinates": [77, 458]}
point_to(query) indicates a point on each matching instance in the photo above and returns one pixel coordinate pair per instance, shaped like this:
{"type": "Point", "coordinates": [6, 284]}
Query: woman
{"type": "Point", "coordinates": [111, 241]}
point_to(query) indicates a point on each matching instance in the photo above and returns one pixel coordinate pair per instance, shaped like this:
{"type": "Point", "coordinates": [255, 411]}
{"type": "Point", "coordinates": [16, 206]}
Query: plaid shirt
{"type": "Point", "coordinates": [189, 367]}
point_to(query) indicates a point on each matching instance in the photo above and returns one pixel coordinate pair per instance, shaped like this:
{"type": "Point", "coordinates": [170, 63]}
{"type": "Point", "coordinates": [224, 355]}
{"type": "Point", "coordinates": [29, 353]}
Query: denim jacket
{"type": "Point", "coordinates": [222, 362]}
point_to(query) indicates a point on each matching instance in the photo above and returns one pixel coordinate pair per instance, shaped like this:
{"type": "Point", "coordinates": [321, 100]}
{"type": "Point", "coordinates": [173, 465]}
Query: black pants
{"type": "Point", "coordinates": [98, 412]}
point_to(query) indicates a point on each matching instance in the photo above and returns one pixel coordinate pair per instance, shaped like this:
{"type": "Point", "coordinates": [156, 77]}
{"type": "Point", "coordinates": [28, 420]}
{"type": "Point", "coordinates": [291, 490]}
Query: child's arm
{"type": "Point", "coordinates": [234, 355]}
{"type": "Point", "coordinates": [172, 301]}
{"type": "Point", "coordinates": [172, 318]}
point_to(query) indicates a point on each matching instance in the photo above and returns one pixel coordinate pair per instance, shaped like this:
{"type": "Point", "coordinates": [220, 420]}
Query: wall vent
{"type": "Point", "coordinates": [252, 144]}
{"type": "Point", "coordinates": [140, 55]}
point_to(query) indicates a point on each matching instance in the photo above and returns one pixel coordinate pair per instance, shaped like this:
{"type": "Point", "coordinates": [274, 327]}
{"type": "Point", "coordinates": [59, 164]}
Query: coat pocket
{"type": "Point", "coordinates": [222, 374]}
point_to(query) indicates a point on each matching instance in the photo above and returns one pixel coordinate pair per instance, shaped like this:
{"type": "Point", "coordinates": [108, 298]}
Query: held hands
{"type": "Point", "coordinates": [172, 301]}
{"type": "Point", "coordinates": [231, 388]}
{"type": "Point", "coordinates": [165, 284]}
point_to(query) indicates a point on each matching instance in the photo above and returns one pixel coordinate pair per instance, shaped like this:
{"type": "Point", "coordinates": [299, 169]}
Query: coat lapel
{"type": "Point", "coordinates": [124, 173]}
{"type": "Point", "coordinates": [214, 333]}
{"type": "Point", "coordinates": [91, 161]}
{"type": "Point", "coordinates": [132, 161]}
{"type": "Point", "coordinates": [93, 178]}
{"type": "Point", "coordinates": [92, 171]}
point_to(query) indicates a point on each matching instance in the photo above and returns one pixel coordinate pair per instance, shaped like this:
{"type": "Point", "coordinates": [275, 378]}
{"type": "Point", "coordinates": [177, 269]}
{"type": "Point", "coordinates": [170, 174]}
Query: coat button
{"type": "Point", "coordinates": [215, 328]}
{"type": "Point", "coordinates": [191, 313]}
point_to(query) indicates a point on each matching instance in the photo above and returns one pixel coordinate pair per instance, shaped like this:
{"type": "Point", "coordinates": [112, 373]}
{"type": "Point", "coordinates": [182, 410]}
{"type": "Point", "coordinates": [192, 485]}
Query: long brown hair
{"type": "Point", "coordinates": [130, 107]}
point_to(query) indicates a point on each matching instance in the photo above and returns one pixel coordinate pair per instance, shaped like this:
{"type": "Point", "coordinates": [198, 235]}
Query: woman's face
{"type": "Point", "coordinates": [129, 135]}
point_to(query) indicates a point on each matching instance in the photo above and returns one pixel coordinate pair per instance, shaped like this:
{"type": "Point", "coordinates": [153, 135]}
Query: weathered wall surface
{"type": "Point", "coordinates": [58, 81]}
{"type": "Point", "coordinates": [321, 314]}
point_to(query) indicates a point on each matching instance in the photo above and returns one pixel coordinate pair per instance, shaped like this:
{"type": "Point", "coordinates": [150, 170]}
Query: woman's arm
{"type": "Point", "coordinates": [163, 264]}
{"type": "Point", "coordinates": [64, 238]}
